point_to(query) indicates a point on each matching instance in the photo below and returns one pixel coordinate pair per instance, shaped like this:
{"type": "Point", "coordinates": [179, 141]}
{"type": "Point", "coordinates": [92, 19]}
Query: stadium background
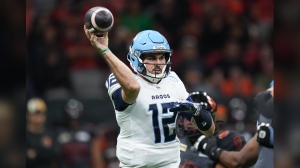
{"type": "Point", "coordinates": [223, 47]}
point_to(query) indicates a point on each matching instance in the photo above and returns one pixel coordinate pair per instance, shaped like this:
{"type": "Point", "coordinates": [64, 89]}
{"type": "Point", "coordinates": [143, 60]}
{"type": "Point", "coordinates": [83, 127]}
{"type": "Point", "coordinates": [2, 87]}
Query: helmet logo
{"type": "Point", "coordinates": [238, 143]}
{"type": "Point", "coordinates": [212, 103]}
{"type": "Point", "coordinates": [159, 47]}
{"type": "Point", "coordinates": [223, 134]}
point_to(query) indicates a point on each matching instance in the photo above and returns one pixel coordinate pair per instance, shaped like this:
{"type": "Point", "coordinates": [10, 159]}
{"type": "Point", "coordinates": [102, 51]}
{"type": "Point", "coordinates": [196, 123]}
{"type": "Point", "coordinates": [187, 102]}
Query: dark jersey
{"type": "Point", "coordinates": [75, 146]}
{"type": "Point", "coordinates": [41, 150]}
{"type": "Point", "coordinates": [191, 158]}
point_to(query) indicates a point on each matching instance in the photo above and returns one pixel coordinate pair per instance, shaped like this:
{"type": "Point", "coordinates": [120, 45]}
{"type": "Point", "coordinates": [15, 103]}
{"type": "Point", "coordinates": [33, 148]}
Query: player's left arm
{"type": "Point", "coordinates": [246, 157]}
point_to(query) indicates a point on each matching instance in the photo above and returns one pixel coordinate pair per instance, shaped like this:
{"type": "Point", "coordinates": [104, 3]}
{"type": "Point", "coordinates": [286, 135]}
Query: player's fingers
{"type": "Point", "coordinates": [87, 33]}
{"type": "Point", "coordinates": [105, 35]}
{"type": "Point", "coordinates": [196, 144]}
{"type": "Point", "coordinates": [85, 29]}
{"type": "Point", "coordinates": [92, 37]}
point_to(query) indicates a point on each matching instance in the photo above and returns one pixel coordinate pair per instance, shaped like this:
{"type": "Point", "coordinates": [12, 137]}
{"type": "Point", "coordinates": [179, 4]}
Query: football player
{"type": "Point", "coordinates": [258, 149]}
{"type": "Point", "coordinates": [147, 101]}
{"type": "Point", "coordinates": [188, 135]}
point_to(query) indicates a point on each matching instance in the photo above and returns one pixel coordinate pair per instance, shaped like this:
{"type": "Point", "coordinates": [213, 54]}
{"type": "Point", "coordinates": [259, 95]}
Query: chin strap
{"type": "Point", "coordinates": [152, 79]}
{"type": "Point", "coordinates": [155, 77]}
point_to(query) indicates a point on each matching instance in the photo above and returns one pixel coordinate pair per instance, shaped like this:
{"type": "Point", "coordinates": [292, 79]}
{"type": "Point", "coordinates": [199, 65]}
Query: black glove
{"type": "Point", "coordinates": [208, 146]}
{"type": "Point", "coordinates": [265, 135]}
{"type": "Point", "coordinates": [187, 107]}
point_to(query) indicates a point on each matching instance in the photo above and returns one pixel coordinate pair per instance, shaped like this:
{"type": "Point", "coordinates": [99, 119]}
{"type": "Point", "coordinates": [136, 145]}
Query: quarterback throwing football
{"type": "Point", "coordinates": [147, 101]}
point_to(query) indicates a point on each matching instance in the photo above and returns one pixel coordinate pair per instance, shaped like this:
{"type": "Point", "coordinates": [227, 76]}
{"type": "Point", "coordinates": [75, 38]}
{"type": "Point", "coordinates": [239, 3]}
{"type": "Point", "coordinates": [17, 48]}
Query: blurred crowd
{"type": "Point", "coordinates": [70, 144]}
{"type": "Point", "coordinates": [223, 47]}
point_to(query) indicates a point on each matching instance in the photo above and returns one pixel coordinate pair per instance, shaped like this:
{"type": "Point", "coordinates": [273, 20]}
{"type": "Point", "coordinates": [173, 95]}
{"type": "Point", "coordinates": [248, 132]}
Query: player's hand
{"type": "Point", "coordinates": [186, 107]}
{"type": "Point", "coordinates": [265, 135]}
{"type": "Point", "coordinates": [208, 146]}
{"type": "Point", "coordinates": [99, 43]}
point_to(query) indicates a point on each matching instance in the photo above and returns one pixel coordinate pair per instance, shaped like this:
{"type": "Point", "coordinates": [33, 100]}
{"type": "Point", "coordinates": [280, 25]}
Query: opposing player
{"type": "Point", "coordinates": [265, 132]}
{"type": "Point", "coordinates": [252, 153]}
{"type": "Point", "coordinates": [147, 101]}
{"type": "Point", "coordinates": [188, 135]}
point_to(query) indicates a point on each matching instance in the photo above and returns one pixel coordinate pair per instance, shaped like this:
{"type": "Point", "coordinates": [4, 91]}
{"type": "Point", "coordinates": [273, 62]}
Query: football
{"type": "Point", "coordinates": [98, 20]}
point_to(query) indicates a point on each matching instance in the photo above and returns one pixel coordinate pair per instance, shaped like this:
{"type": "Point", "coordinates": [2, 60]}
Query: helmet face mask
{"type": "Point", "coordinates": [187, 129]}
{"type": "Point", "coordinates": [184, 127]}
{"type": "Point", "coordinates": [149, 41]}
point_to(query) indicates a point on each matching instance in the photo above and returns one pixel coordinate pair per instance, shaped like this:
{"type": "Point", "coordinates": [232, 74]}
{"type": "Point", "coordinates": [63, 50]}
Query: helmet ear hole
{"type": "Point", "coordinates": [142, 57]}
{"type": "Point", "coordinates": [167, 56]}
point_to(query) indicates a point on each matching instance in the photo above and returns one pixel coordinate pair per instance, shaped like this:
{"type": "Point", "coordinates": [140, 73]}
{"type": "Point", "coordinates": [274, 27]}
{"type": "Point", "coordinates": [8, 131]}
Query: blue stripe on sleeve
{"type": "Point", "coordinates": [120, 105]}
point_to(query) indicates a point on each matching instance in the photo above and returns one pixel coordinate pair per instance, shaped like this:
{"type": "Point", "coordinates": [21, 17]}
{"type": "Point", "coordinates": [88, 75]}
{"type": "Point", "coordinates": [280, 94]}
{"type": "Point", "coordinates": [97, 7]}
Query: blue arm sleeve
{"type": "Point", "coordinates": [120, 105]}
{"type": "Point", "coordinates": [203, 121]}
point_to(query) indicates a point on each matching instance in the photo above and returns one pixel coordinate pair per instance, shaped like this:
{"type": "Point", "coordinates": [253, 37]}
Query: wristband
{"type": "Point", "coordinates": [104, 51]}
